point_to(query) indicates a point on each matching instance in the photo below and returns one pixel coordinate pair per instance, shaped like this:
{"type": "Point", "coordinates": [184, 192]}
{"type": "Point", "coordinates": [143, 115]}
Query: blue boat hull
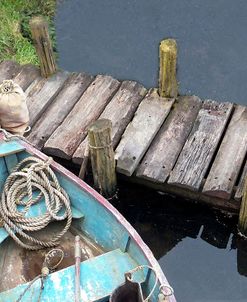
{"type": "Point", "coordinates": [103, 224]}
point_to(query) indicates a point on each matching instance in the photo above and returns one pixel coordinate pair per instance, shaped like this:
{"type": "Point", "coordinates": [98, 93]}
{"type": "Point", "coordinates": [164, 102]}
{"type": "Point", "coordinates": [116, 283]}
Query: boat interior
{"type": "Point", "coordinates": [108, 250]}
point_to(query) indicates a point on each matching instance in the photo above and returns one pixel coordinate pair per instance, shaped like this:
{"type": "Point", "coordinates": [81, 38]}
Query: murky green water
{"type": "Point", "coordinates": [199, 250]}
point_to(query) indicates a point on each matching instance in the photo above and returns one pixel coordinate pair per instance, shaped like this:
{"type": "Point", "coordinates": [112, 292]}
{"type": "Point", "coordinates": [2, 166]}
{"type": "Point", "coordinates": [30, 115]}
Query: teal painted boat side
{"type": "Point", "coordinates": [106, 226]}
{"type": "Point", "coordinates": [99, 277]}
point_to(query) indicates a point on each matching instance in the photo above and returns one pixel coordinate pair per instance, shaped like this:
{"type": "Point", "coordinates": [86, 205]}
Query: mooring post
{"type": "Point", "coordinates": [102, 157]}
{"type": "Point", "coordinates": [242, 221]}
{"type": "Point", "coordinates": [168, 86]}
{"type": "Point", "coordinates": [84, 164]}
{"type": "Point", "coordinates": [43, 45]}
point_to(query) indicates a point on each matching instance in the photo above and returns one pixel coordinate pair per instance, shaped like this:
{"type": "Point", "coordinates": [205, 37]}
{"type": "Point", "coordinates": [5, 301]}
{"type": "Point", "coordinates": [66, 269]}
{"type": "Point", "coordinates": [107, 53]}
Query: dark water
{"type": "Point", "coordinates": [199, 250]}
{"type": "Point", "coordinates": [121, 38]}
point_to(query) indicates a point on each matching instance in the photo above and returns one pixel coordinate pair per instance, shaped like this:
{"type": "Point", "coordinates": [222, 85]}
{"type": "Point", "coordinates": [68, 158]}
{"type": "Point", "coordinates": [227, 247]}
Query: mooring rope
{"type": "Point", "coordinates": [30, 175]}
{"type": "Point", "coordinates": [162, 289]}
{"type": "Point", "coordinates": [46, 269]}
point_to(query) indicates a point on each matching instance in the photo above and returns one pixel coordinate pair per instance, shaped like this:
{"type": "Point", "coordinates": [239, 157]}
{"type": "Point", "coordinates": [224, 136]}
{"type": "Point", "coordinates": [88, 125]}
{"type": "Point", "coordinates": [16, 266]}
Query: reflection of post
{"type": "Point", "coordinates": [242, 256]}
{"type": "Point", "coordinates": [242, 222]}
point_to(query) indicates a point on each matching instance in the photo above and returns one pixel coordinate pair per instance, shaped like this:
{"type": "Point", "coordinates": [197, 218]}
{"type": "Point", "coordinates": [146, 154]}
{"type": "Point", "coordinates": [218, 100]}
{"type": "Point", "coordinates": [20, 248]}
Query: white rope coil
{"type": "Point", "coordinates": [30, 175]}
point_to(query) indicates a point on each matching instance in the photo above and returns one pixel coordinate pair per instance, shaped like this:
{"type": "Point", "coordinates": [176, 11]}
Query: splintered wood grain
{"type": "Point", "coordinates": [41, 94]}
{"type": "Point", "coordinates": [165, 148]}
{"type": "Point", "coordinates": [67, 137]}
{"type": "Point", "coordinates": [198, 151]}
{"type": "Point", "coordinates": [240, 190]}
{"type": "Point", "coordinates": [230, 156]}
{"type": "Point", "coordinates": [59, 109]}
{"type": "Point", "coordinates": [27, 74]}
{"type": "Point", "coordinates": [8, 69]}
{"type": "Point", "coordinates": [139, 134]}
{"type": "Point", "coordinates": [120, 111]}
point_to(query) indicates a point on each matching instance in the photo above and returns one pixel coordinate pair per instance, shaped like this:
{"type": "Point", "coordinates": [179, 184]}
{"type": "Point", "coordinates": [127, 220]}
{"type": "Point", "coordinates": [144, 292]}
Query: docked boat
{"type": "Point", "coordinates": [62, 241]}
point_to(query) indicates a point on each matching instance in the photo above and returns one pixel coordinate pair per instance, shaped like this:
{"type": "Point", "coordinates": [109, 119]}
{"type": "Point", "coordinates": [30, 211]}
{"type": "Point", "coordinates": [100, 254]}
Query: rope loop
{"type": "Point", "coordinates": [33, 175]}
{"type": "Point", "coordinates": [141, 267]}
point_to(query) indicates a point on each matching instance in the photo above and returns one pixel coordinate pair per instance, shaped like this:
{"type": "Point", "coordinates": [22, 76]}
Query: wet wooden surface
{"type": "Point", "coordinates": [190, 147]}
{"type": "Point", "coordinates": [20, 265]}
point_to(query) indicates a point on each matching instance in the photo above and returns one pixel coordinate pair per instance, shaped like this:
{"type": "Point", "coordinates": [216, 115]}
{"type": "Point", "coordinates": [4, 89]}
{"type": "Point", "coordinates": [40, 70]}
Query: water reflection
{"type": "Point", "coordinates": [198, 249]}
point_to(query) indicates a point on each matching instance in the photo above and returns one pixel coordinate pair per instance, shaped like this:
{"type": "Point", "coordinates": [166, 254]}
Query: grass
{"type": "Point", "coordinates": [15, 37]}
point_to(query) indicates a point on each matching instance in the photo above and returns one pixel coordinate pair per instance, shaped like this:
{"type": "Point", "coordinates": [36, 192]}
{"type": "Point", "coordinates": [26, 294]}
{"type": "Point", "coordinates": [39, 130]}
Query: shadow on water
{"type": "Point", "coordinates": [199, 249]}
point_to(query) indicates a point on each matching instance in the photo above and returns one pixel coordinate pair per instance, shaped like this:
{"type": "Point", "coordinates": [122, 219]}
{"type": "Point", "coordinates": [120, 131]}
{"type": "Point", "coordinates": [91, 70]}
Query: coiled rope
{"type": "Point", "coordinates": [30, 175]}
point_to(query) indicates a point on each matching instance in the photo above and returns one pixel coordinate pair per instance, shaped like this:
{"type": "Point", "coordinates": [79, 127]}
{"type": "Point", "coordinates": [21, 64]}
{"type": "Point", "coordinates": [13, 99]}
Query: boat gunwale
{"type": "Point", "coordinates": [104, 202]}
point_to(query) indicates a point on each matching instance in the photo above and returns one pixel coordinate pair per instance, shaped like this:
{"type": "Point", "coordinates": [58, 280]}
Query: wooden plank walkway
{"type": "Point", "coordinates": [190, 147]}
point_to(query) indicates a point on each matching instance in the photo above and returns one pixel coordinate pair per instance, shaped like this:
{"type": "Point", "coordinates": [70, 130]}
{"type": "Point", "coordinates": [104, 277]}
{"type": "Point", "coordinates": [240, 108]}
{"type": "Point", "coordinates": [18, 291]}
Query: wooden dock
{"type": "Point", "coordinates": [186, 146]}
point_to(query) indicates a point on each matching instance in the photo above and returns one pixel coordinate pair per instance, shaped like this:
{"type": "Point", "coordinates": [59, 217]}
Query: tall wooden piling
{"type": "Point", "coordinates": [242, 222]}
{"type": "Point", "coordinates": [43, 45]}
{"type": "Point", "coordinates": [102, 157]}
{"type": "Point", "coordinates": [168, 86]}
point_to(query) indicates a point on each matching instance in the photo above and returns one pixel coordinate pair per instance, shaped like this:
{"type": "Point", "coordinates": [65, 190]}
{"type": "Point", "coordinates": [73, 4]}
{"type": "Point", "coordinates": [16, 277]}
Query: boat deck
{"type": "Point", "coordinates": [20, 265]}
{"type": "Point", "coordinates": [191, 147]}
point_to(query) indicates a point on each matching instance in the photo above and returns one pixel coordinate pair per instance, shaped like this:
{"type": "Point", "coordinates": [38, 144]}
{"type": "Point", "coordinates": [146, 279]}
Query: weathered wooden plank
{"type": "Point", "coordinates": [201, 144]}
{"type": "Point", "coordinates": [59, 109]}
{"type": "Point", "coordinates": [139, 134]}
{"type": "Point", "coordinates": [66, 138]}
{"type": "Point", "coordinates": [120, 111]}
{"type": "Point", "coordinates": [165, 148]}
{"type": "Point", "coordinates": [27, 74]}
{"type": "Point", "coordinates": [239, 193]}
{"type": "Point", "coordinates": [41, 94]}
{"type": "Point", "coordinates": [8, 69]}
{"type": "Point", "coordinates": [228, 162]}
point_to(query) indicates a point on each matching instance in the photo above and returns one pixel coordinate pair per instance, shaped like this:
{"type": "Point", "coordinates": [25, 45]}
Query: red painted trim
{"type": "Point", "coordinates": [135, 236]}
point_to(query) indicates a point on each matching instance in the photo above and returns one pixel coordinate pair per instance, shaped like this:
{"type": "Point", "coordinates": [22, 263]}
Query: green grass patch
{"type": "Point", "coordinates": [15, 37]}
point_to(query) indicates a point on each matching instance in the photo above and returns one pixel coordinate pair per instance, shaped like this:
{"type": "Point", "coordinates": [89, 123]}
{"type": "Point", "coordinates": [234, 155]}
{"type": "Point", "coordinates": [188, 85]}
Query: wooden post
{"type": "Point", "coordinates": [168, 86]}
{"type": "Point", "coordinates": [43, 45]}
{"type": "Point", "coordinates": [242, 221]}
{"type": "Point", "coordinates": [102, 157]}
{"type": "Point", "coordinates": [84, 164]}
